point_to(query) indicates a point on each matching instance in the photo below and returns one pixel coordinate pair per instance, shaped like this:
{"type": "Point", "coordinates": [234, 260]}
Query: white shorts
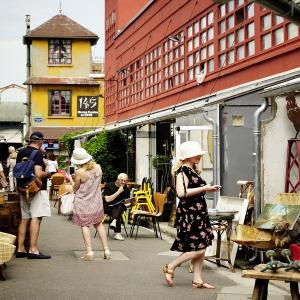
{"type": "Point", "coordinates": [36, 207]}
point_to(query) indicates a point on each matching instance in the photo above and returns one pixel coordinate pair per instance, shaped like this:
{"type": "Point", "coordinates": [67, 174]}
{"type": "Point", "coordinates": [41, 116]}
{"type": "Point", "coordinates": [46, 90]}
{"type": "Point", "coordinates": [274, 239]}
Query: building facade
{"type": "Point", "coordinates": [198, 70]}
{"type": "Point", "coordinates": [66, 90]}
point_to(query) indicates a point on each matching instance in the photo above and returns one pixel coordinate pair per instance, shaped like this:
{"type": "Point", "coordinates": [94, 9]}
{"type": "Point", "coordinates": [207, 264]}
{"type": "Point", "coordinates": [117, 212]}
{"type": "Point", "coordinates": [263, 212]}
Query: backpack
{"type": "Point", "coordinates": [27, 183]}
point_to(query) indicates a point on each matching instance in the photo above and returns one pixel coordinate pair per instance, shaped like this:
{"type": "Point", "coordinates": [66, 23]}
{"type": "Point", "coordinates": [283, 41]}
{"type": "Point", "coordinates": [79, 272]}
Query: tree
{"type": "Point", "coordinates": [108, 148]}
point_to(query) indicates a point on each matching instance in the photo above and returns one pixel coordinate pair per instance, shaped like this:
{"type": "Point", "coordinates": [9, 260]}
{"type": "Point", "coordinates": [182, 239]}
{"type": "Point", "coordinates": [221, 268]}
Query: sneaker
{"type": "Point", "coordinates": [118, 237]}
{"type": "Point", "coordinates": [113, 224]}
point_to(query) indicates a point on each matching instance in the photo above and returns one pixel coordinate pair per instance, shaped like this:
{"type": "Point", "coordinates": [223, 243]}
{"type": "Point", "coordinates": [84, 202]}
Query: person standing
{"type": "Point", "coordinates": [3, 181]}
{"type": "Point", "coordinates": [194, 233]}
{"type": "Point", "coordinates": [37, 207]}
{"type": "Point", "coordinates": [52, 163]}
{"type": "Point", "coordinates": [11, 162]}
{"type": "Point", "coordinates": [88, 205]}
{"type": "Point", "coordinates": [114, 193]}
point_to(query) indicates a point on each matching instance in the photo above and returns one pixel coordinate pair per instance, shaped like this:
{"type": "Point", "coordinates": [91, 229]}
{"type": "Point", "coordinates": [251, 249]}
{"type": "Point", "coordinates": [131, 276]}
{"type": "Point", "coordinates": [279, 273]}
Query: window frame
{"type": "Point", "coordinates": [51, 109]}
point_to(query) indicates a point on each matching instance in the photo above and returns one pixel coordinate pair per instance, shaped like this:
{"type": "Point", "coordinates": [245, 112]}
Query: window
{"type": "Point", "coordinates": [59, 103]}
{"type": "Point", "coordinates": [293, 31]}
{"type": "Point", "coordinates": [60, 51]}
{"type": "Point", "coordinates": [266, 22]}
{"type": "Point", "coordinates": [279, 36]}
{"type": "Point", "coordinates": [266, 41]}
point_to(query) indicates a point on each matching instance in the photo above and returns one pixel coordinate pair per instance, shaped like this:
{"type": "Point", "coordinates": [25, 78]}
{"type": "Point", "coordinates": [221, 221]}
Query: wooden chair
{"type": "Point", "coordinates": [159, 200]}
{"type": "Point", "coordinates": [57, 179]}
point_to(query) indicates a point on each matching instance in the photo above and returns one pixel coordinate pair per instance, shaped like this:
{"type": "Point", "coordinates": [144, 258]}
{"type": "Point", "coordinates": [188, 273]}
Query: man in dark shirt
{"type": "Point", "coordinates": [37, 207]}
{"type": "Point", "coordinates": [114, 193]}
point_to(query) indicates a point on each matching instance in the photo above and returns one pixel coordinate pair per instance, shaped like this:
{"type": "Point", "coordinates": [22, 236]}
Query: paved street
{"type": "Point", "coordinates": [133, 273]}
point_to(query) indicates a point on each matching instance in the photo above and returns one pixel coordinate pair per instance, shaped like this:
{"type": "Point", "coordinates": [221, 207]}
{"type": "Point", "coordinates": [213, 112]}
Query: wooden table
{"type": "Point", "coordinates": [260, 291]}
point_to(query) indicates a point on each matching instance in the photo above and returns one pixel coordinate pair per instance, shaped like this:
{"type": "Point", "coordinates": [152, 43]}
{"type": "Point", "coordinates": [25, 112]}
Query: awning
{"type": "Point", "coordinates": [12, 135]}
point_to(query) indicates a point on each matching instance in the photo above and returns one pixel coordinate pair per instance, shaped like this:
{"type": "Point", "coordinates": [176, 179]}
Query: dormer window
{"type": "Point", "coordinates": [60, 52]}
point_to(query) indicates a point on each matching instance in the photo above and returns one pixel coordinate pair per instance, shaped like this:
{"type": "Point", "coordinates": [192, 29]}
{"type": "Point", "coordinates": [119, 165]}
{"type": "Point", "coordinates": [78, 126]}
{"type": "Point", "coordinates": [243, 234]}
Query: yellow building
{"type": "Point", "coordinates": [65, 96]}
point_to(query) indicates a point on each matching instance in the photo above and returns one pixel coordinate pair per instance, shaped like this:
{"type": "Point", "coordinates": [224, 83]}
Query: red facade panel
{"type": "Point", "coordinates": [155, 61]}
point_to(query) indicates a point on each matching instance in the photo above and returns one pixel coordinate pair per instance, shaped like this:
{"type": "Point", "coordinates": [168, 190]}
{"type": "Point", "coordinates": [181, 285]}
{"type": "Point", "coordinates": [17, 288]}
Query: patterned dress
{"type": "Point", "coordinates": [88, 205]}
{"type": "Point", "coordinates": [192, 222]}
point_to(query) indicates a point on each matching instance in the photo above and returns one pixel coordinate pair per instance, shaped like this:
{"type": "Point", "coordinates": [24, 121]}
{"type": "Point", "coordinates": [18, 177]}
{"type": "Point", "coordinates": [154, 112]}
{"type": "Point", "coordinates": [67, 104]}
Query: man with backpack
{"type": "Point", "coordinates": [34, 205]}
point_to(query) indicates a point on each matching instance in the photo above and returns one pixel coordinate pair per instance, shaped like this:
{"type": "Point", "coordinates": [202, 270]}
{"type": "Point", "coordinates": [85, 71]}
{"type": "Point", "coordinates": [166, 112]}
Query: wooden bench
{"type": "Point", "coordinates": [260, 291]}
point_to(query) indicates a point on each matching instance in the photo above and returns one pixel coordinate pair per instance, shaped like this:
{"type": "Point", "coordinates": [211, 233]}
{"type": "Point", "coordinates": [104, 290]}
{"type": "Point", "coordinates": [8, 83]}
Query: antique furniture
{"type": "Point", "coordinates": [260, 291]}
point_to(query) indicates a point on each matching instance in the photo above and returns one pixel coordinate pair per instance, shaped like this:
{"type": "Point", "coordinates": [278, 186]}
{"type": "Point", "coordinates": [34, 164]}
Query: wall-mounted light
{"type": "Point", "coordinates": [176, 38]}
{"type": "Point", "coordinates": [122, 71]}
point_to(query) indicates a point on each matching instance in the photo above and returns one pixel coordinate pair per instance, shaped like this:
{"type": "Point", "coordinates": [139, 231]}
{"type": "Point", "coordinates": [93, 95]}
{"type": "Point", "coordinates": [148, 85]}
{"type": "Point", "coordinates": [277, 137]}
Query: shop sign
{"type": "Point", "coordinates": [87, 106]}
{"type": "Point", "coordinates": [38, 118]}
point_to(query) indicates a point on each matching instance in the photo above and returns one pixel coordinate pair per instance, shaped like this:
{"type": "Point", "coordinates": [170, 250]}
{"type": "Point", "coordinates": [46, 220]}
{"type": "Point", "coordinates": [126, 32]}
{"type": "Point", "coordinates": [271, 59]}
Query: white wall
{"type": "Point", "coordinates": [275, 135]}
{"type": "Point", "coordinates": [145, 149]}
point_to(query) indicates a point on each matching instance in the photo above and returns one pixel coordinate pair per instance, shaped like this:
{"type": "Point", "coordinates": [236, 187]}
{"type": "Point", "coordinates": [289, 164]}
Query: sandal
{"type": "Point", "coordinates": [204, 285]}
{"type": "Point", "coordinates": [168, 272]}
{"type": "Point", "coordinates": [88, 256]}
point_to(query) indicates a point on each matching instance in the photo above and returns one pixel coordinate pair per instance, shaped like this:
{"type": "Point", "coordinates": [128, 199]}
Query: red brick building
{"type": "Point", "coordinates": [177, 62]}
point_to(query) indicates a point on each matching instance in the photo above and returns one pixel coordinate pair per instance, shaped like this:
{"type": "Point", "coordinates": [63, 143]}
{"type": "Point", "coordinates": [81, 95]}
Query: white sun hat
{"type": "Point", "coordinates": [190, 149]}
{"type": "Point", "coordinates": [80, 156]}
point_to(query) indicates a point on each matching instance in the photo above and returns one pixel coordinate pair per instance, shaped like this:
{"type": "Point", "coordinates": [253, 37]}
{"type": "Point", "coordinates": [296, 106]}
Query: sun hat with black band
{"type": "Point", "coordinates": [190, 149]}
{"type": "Point", "coordinates": [80, 156]}
{"type": "Point", "coordinates": [36, 136]}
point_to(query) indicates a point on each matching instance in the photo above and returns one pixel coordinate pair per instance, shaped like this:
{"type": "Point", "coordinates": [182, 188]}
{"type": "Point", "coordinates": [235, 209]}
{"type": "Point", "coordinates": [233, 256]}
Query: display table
{"type": "Point", "coordinates": [260, 291]}
{"type": "Point", "coordinates": [221, 224]}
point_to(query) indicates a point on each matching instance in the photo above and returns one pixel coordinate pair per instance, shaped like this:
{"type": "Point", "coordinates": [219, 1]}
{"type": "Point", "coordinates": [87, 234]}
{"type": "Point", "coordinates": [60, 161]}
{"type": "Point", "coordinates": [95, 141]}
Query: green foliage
{"type": "Point", "coordinates": [109, 150]}
{"type": "Point", "coordinates": [159, 161]}
{"type": "Point", "coordinates": [61, 160]}
{"type": "Point", "coordinates": [68, 141]}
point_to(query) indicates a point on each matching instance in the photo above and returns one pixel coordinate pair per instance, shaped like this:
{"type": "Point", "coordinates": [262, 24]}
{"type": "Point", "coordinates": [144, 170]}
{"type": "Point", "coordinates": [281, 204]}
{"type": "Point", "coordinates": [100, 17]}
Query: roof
{"type": "Point", "coordinates": [12, 111]}
{"type": "Point", "coordinates": [61, 26]}
{"type": "Point", "coordinates": [62, 80]}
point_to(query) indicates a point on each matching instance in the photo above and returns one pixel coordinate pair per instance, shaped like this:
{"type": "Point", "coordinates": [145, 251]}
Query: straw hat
{"type": "Point", "coordinates": [80, 156]}
{"type": "Point", "coordinates": [190, 149]}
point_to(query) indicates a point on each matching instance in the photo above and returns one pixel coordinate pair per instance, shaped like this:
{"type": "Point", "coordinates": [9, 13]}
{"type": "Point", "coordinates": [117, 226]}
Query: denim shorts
{"type": "Point", "coordinates": [36, 207]}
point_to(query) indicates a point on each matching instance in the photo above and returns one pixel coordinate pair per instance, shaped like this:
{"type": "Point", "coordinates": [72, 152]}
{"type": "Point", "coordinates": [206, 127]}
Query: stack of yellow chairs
{"type": "Point", "coordinates": [143, 197]}
{"type": "Point", "coordinates": [7, 249]}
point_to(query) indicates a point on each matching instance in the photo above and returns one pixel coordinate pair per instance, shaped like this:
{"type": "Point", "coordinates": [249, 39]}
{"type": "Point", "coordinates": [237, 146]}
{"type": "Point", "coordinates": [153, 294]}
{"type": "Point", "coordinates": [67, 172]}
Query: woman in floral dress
{"type": "Point", "coordinates": [194, 233]}
{"type": "Point", "coordinates": [88, 205]}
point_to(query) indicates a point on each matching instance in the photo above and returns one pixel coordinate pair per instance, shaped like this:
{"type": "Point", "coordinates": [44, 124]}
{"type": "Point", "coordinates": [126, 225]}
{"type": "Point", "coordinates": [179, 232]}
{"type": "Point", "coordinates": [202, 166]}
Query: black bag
{"type": "Point", "coordinates": [27, 183]}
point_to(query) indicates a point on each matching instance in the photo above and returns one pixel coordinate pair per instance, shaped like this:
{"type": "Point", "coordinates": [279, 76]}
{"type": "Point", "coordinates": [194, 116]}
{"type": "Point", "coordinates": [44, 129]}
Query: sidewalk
{"type": "Point", "coordinates": [243, 286]}
{"type": "Point", "coordinates": [135, 271]}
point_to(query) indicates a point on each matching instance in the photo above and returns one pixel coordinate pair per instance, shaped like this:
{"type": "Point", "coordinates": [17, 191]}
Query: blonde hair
{"type": "Point", "coordinates": [179, 164]}
{"type": "Point", "coordinates": [89, 165]}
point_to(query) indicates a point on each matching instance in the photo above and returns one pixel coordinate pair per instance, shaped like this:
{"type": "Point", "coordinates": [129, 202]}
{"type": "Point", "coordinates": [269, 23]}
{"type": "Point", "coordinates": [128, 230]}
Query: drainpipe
{"type": "Point", "coordinates": [257, 157]}
{"type": "Point", "coordinates": [28, 94]}
{"type": "Point", "coordinates": [216, 147]}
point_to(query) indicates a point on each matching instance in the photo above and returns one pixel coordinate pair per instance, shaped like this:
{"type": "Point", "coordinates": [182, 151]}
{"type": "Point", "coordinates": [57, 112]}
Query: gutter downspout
{"type": "Point", "coordinates": [215, 147]}
{"type": "Point", "coordinates": [28, 90]}
{"type": "Point", "coordinates": [257, 157]}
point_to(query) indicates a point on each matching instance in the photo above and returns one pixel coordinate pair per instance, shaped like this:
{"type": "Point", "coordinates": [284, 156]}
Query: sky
{"type": "Point", "coordinates": [88, 13]}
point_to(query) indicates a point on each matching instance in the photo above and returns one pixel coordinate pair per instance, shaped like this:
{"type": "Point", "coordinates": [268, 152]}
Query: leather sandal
{"type": "Point", "coordinates": [204, 285]}
{"type": "Point", "coordinates": [167, 271]}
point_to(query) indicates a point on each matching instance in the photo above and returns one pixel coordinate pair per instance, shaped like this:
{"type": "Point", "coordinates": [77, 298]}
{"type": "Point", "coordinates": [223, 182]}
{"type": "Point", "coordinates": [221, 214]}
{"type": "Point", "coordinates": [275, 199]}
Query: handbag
{"type": "Point", "coordinates": [67, 204]}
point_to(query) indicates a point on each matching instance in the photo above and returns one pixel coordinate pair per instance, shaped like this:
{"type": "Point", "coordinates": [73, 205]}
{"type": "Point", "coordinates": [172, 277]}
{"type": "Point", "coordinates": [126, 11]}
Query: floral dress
{"type": "Point", "coordinates": [192, 222]}
{"type": "Point", "coordinates": [88, 205]}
